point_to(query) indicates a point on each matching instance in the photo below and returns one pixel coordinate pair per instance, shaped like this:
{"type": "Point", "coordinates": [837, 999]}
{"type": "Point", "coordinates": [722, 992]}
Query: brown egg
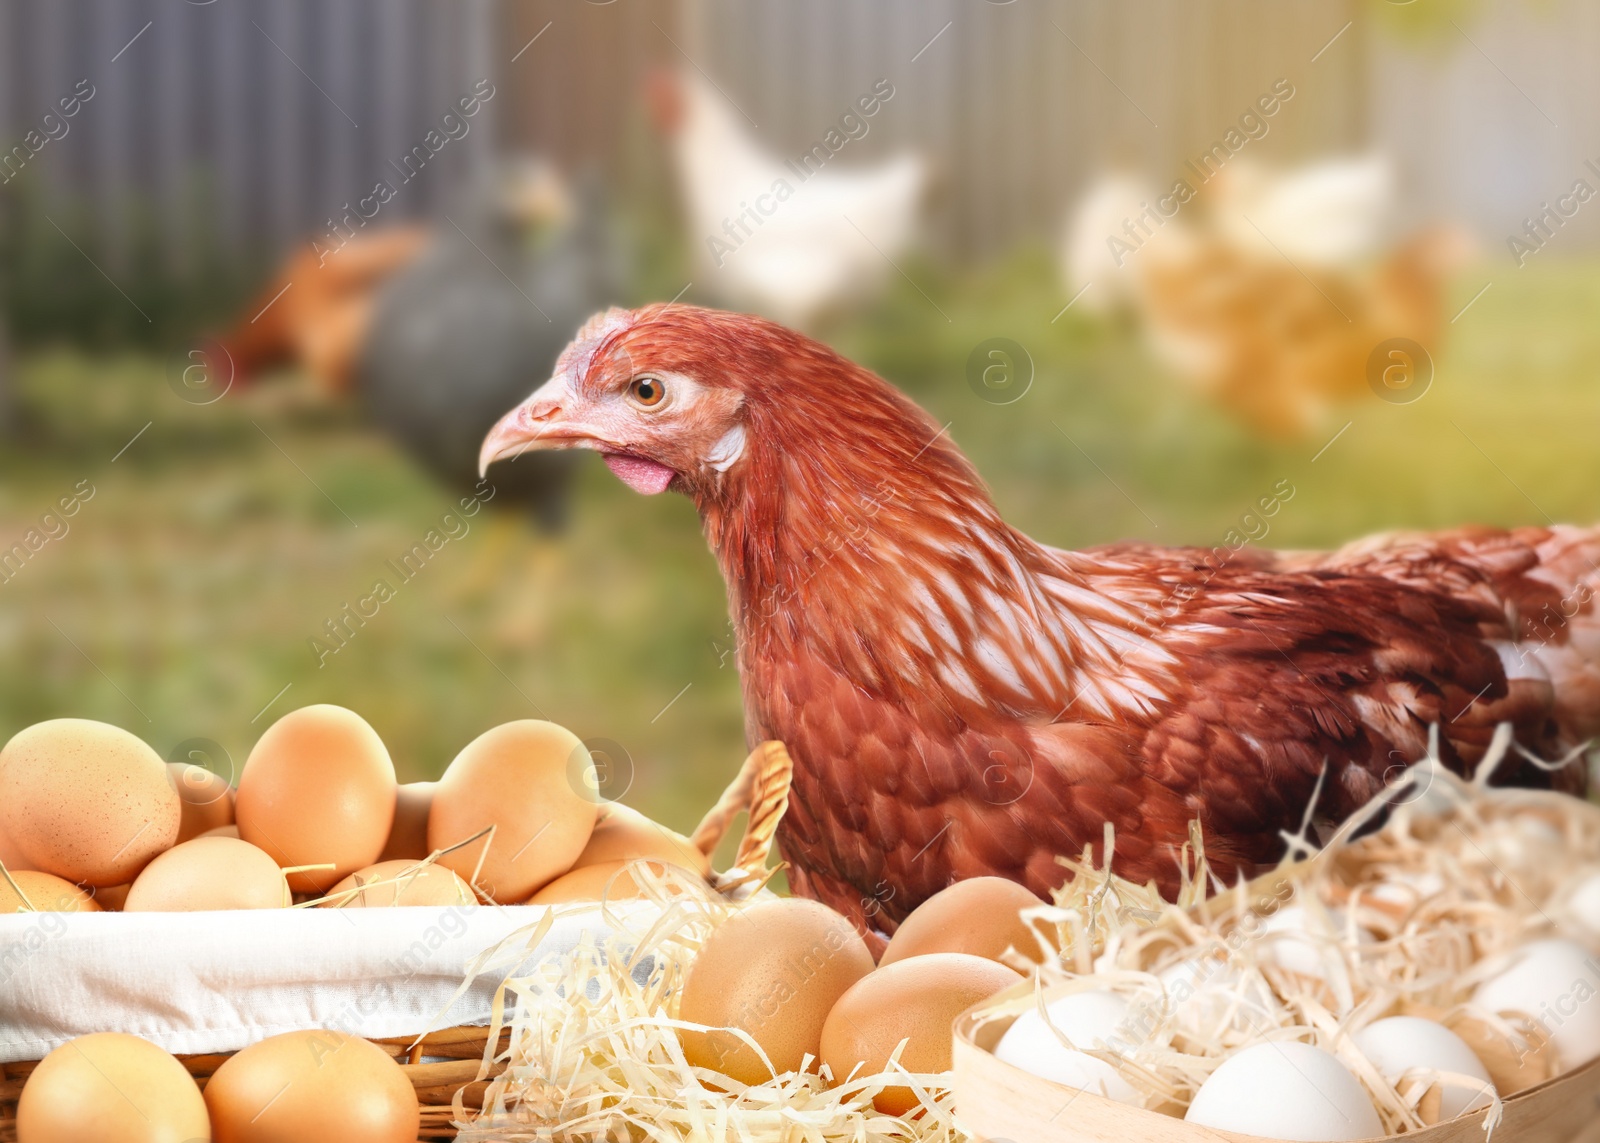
{"type": "Point", "coordinates": [318, 789]}
{"type": "Point", "coordinates": [774, 970]}
{"type": "Point", "coordinates": [402, 882]}
{"type": "Point", "coordinates": [222, 831]}
{"type": "Point", "coordinates": [209, 873]}
{"type": "Point", "coordinates": [529, 779]}
{"type": "Point", "coordinates": [312, 1087]}
{"type": "Point", "coordinates": [10, 856]}
{"type": "Point", "coordinates": [44, 893]}
{"type": "Point", "coordinates": [408, 836]}
{"type": "Point", "coordinates": [610, 881]}
{"type": "Point", "coordinates": [86, 801]}
{"type": "Point", "coordinates": [977, 916]}
{"type": "Point", "coordinates": [917, 1000]}
{"type": "Point", "coordinates": [207, 799]}
{"type": "Point", "coordinates": [112, 897]}
{"type": "Point", "coordinates": [622, 833]}
{"type": "Point", "coordinates": [1512, 1064]}
{"type": "Point", "coordinates": [109, 1086]}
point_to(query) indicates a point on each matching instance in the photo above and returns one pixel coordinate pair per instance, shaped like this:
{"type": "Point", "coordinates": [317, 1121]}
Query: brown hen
{"type": "Point", "coordinates": [962, 700]}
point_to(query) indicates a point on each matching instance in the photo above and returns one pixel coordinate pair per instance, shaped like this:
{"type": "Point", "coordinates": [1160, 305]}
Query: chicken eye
{"type": "Point", "coordinates": [647, 391]}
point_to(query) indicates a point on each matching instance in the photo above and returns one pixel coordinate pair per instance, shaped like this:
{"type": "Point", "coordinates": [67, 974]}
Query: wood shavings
{"type": "Point", "coordinates": [594, 1055]}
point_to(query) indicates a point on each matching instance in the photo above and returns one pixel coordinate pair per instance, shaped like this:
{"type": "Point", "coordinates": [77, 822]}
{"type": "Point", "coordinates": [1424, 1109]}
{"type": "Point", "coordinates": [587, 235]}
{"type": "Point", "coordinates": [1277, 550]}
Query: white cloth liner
{"type": "Point", "coordinates": [216, 982]}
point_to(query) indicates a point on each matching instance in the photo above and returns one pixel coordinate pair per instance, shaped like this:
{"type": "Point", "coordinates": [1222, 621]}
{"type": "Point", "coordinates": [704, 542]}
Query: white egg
{"type": "Point", "coordinates": [1307, 942]}
{"type": "Point", "coordinates": [1583, 905]}
{"type": "Point", "coordinates": [1393, 893]}
{"type": "Point", "coordinates": [1285, 1091]}
{"type": "Point", "coordinates": [1556, 984]}
{"type": "Point", "coordinates": [1538, 830]}
{"type": "Point", "coordinates": [1208, 996]}
{"type": "Point", "coordinates": [1522, 841]}
{"type": "Point", "coordinates": [1400, 1043]}
{"type": "Point", "coordinates": [1405, 890]}
{"type": "Point", "coordinates": [1087, 1020]}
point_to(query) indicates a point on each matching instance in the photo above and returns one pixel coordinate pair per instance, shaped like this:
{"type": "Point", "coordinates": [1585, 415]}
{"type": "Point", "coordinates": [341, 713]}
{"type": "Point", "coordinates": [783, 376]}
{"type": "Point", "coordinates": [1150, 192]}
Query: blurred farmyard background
{"type": "Point", "coordinates": [1213, 274]}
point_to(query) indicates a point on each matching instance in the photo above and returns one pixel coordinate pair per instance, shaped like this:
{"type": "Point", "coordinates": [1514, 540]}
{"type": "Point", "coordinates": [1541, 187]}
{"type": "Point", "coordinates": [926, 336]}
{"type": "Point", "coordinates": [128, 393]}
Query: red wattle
{"type": "Point", "coordinates": [641, 475]}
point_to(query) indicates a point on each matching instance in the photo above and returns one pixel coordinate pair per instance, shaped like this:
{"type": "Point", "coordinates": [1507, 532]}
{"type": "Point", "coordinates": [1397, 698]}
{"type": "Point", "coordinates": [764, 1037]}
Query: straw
{"type": "Point", "coordinates": [1407, 919]}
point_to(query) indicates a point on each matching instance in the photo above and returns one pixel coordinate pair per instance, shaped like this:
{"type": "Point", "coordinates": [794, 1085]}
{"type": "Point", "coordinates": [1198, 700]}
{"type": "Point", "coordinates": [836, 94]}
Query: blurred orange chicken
{"type": "Point", "coordinates": [317, 310]}
{"type": "Point", "coordinates": [1266, 292]}
{"type": "Point", "coordinates": [1280, 345]}
{"type": "Point", "coordinates": [432, 330]}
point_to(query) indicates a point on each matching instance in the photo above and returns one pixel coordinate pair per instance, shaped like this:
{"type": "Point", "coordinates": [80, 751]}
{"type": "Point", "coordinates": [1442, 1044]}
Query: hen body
{"type": "Point", "coordinates": [318, 308]}
{"type": "Point", "coordinates": [960, 699]}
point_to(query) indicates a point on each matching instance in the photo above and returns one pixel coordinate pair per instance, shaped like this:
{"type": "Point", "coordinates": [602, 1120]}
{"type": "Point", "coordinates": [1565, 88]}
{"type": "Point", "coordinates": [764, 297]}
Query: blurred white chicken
{"type": "Point", "coordinates": [768, 238]}
{"type": "Point", "coordinates": [1261, 290]}
{"type": "Point", "coordinates": [1328, 214]}
{"type": "Point", "coordinates": [1332, 213]}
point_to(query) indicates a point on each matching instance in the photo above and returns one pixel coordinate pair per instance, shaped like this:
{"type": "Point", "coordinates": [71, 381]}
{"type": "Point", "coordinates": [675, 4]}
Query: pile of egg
{"type": "Point", "coordinates": [315, 1086]}
{"type": "Point", "coordinates": [796, 978]}
{"type": "Point", "coordinates": [92, 819]}
{"type": "Point", "coordinates": [1429, 986]}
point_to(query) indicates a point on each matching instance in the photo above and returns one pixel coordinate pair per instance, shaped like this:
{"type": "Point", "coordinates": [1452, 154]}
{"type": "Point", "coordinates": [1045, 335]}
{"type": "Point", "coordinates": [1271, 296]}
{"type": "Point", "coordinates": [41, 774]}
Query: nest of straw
{"type": "Point", "coordinates": [593, 1051]}
{"type": "Point", "coordinates": [1406, 920]}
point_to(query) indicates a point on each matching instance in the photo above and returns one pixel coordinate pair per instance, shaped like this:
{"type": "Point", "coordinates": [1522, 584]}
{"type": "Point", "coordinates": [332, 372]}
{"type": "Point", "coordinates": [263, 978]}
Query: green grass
{"type": "Point", "coordinates": [186, 594]}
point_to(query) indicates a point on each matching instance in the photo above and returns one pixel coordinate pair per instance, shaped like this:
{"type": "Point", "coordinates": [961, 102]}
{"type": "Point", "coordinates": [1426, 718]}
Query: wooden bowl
{"type": "Point", "coordinates": [1000, 1103]}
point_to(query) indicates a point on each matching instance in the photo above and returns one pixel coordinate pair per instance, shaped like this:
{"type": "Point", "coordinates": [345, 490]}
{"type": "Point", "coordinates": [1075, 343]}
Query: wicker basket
{"type": "Point", "coordinates": [440, 1064]}
{"type": "Point", "coordinates": [455, 1056]}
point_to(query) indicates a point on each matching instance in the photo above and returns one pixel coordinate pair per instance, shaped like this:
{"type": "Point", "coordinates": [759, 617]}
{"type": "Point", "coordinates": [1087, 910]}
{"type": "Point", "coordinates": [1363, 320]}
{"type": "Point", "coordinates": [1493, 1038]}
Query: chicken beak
{"type": "Point", "coordinates": [540, 422]}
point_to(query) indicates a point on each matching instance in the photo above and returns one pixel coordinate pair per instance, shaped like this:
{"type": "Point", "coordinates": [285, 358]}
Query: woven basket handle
{"type": "Point", "coordinates": [762, 788]}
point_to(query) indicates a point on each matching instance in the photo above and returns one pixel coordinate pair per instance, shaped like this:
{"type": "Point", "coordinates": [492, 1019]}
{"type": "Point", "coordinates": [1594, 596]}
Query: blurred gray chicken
{"type": "Point", "coordinates": [474, 323]}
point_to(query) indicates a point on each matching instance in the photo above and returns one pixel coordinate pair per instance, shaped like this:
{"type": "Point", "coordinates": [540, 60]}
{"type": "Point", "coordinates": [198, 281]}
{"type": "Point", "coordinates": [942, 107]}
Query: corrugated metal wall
{"type": "Point", "coordinates": [1019, 102]}
{"type": "Point", "coordinates": [259, 118]}
{"type": "Point", "coordinates": [254, 120]}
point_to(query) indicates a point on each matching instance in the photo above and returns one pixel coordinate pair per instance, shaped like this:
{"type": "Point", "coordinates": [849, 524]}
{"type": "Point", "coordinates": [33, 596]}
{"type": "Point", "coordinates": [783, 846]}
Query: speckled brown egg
{"type": "Point", "coordinates": [917, 1000]}
{"type": "Point", "coordinates": [531, 780]}
{"type": "Point", "coordinates": [312, 1087]}
{"type": "Point", "coordinates": [45, 893]}
{"type": "Point", "coordinates": [10, 856]}
{"type": "Point", "coordinates": [209, 873]}
{"type": "Point", "coordinates": [774, 970]}
{"type": "Point", "coordinates": [622, 833]}
{"type": "Point", "coordinates": [207, 799]}
{"type": "Point", "coordinates": [408, 836]}
{"type": "Point", "coordinates": [318, 789]}
{"type": "Point", "coordinates": [86, 801]}
{"type": "Point", "coordinates": [111, 1086]}
{"type": "Point", "coordinates": [978, 916]}
{"type": "Point", "coordinates": [112, 897]}
{"type": "Point", "coordinates": [609, 881]}
{"type": "Point", "coordinates": [399, 883]}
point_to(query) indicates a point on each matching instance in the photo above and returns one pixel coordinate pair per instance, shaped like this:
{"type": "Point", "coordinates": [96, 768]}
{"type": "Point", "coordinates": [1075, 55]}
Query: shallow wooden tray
{"type": "Point", "coordinates": [1000, 1103]}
